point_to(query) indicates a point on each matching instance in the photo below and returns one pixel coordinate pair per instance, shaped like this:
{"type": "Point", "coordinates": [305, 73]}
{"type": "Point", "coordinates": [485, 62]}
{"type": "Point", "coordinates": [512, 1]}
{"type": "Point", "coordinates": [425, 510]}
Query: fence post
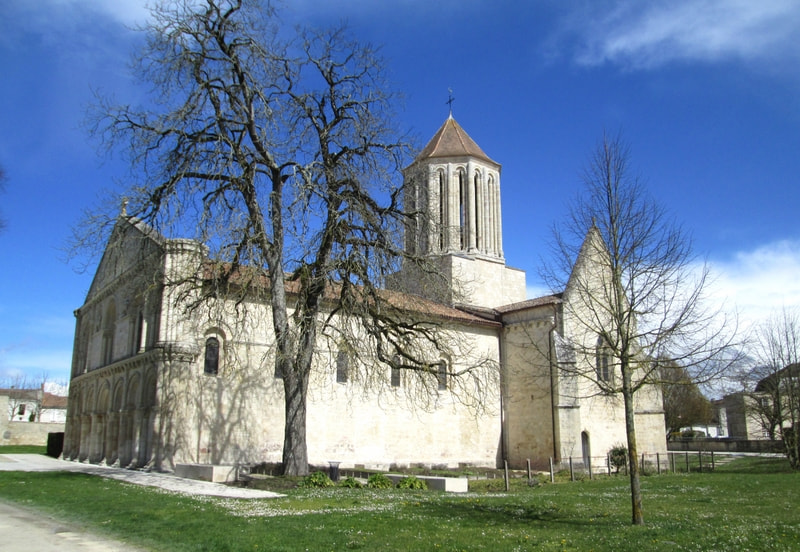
{"type": "Point", "coordinates": [590, 467]}
{"type": "Point", "coordinates": [571, 471]}
{"type": "Point", "coordinates": [700, 460]}
{"type": "Point", "coordinates": [658, 462]}
{"type": "Point", "coordinates": [672, 459]}
{"type": "Point", "coordinates": [608, 463]}
{"type": "Point", "coordinates": [713, 463]}
{"type": "Point", "coordinates": [552, 475]}
{"type": "Point", "coordinates": [642, 465]}
{"type": "Point", "coordinates": [687, 461]}
{"type": "Point", "coordinates": [505, 472]}
{"type": "Point", "coordinates": [528, 461]}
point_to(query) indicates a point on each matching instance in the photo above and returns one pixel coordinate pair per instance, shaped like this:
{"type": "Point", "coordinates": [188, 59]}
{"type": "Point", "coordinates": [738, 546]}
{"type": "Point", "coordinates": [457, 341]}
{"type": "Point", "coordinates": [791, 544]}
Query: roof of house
{"type": "Point", "coordinates": [769, 383]}
{"type": "Point", "coordinates": [53, 401]}
{"type": "Point", "coordinates": [452, 141]}
{"type": "Point", "coordinates": [248, 278]}
{"type": "Point", "coordinates": [21, 394]}
{"type": "Point", "coordinates": [531, 303]}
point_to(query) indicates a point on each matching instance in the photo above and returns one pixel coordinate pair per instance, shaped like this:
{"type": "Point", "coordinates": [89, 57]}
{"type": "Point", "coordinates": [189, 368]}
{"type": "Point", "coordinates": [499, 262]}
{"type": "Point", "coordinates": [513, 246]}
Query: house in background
{"type": "Point", "coordinates": [738, 416]}
{"type": "Point", "coordinates": [156, 384]}
{"type": "Point", "coordinates": [48, 404]}
{"type": "Point", "coordinates": [23, 404]}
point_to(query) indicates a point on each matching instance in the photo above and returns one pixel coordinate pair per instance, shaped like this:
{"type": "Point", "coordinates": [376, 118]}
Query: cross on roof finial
{"type": "Point", "coordinates": [450, 100]}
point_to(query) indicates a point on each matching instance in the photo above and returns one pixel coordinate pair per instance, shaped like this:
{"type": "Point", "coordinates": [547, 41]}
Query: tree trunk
{"type": "Point", "coordinates": [637, 517]}
{"type": "Point", "coordinates": [295, 449]}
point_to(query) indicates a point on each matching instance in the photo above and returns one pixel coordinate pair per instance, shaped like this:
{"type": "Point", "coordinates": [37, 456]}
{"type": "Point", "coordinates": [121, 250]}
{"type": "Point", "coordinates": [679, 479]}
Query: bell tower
{"type": "Point", "coordinates": [453, 189]}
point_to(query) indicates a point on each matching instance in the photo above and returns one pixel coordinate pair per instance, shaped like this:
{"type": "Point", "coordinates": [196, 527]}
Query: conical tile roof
{"type": "Point", "coordinates": [452, 141]}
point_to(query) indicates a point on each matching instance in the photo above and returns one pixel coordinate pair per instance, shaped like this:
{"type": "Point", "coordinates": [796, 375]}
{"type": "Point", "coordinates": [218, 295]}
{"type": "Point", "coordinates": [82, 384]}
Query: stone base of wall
{"type": "Point", "coordinates": [449, 484]}
{"type": "Point", "coordinates": [28, 433]}
{"type": "Point", "coordinates": [206, 472]}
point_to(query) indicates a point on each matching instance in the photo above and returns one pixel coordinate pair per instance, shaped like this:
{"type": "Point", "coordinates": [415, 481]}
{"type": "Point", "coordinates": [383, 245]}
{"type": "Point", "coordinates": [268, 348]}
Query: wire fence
{"type": "Point", "coordinates": [656, 463]}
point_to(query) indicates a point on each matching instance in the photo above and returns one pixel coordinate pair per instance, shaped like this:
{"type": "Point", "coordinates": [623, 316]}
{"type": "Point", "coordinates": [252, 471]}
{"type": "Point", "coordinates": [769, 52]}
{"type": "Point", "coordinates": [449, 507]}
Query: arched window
{"type": "Point", "coordinates": [442, 212]}
{"type": "Point", "coordinates": [395, 373]}
{"type": "Point", "coordinates": [109, 328]}
{"type": "Point", "coordinates": [139, 339]}
{"type": "Point", "coordinates": [211, 362]}
{"type": "Point", "coordinates": [603, 366]}
{"type": "Point", "coordinates": [441, 375]}
{"type": "Point", "coordinates": [462, 209]}
{"type": "Point", "coordinates": [586, 450]}
{"type": "Point", "coordinates": [342, 366]}
{"type": "Point", "coordinates": [477, 195]}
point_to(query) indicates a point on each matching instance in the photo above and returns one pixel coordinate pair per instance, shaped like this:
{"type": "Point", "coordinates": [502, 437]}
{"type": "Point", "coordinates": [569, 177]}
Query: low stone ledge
{"type": "Point", "coordinates": [437, 483]}
{"type": "Point", "coordinates": [206, 472]}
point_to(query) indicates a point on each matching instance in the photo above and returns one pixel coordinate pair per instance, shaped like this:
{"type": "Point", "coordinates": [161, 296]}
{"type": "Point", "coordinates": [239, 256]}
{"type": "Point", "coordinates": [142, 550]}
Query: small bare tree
{"type": "Point", "coordinates": [642, 299]}
{"type": "Point", "coordinates": [281, 156]}
{"type": "Point", "coordinates": [774, 385]}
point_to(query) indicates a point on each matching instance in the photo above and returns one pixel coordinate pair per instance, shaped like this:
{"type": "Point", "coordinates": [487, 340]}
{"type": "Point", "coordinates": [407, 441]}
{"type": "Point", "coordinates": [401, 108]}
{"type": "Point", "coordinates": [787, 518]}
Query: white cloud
{"type": "Point", "coordinates": [759, 282]}
{"type": "Point", "coordinates": [33, 363]}
{"type": "Point", "coordinates": [647, 34]}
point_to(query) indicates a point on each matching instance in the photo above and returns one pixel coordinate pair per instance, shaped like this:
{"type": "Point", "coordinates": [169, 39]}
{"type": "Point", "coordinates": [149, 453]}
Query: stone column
{"type": "Point", "coordinates": [94, 439]}
{"type": "Point", "coordinates": [86, 437]}
{"type": "Point", "coordinates": [136, 438]}
{"type": "Point", "coordinates": [112, 438]}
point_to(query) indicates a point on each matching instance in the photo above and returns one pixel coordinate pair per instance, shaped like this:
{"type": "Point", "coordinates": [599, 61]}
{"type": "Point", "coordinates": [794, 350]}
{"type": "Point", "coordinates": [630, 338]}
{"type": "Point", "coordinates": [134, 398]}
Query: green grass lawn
{"type": "Point", "coordinates": [23, 449]}
{"type": "Point", "coordinates": [748, 504]}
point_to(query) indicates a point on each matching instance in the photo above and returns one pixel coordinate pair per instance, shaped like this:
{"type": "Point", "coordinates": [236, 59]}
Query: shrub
{"type": "Point", "coordinates": [350, 483]}
{"type": "Point", "coordinates": [412, 482]}
{"type": "Point", "coordinates": [379, 481]}
{"type": "Point", "coordinates": [618, 456]}
{"type": "Point", "coordinates": [317, 479]}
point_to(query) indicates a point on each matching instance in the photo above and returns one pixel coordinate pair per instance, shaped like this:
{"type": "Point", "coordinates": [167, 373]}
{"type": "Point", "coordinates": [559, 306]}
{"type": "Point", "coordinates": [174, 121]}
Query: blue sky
{"type": "Point", "coordinates": [707, 93]}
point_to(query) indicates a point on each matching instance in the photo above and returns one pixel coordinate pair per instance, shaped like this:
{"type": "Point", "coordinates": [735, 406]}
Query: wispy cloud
{"type": "Point", "coordinates": [759, 282]}
{"type": "Point", "coordinates": [648, 34]}
{"type": "Point", "coordinates": [33, 363]}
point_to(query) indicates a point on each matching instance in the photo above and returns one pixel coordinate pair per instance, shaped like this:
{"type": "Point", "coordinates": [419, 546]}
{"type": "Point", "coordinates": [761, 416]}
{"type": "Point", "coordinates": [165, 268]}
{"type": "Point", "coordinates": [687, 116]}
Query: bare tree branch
{"type": "Point", "coordinates": [282, 157]}
{"type": "Point", "coordinates": [641, 302]}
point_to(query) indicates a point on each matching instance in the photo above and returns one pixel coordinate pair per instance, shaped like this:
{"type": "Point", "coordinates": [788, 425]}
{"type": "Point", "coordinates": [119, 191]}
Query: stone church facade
{"type": "Point", "coordinates": [153, 386]}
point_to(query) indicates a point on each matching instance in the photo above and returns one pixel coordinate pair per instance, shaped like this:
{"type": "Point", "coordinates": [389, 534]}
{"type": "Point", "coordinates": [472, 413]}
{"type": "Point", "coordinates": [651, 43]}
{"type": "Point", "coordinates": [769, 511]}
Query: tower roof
{"type": "Point", "coordinates": [452, 141]}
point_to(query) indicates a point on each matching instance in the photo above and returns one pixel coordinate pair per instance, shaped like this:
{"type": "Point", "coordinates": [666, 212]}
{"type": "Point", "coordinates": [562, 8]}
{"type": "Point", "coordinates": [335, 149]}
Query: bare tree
{"type": "Point", "coordinates": [282, 157]}
{"type": "Point", "coordinates": [774, 385]}
{"type": "Point", "coordinates": [642, 301]}
{"type": "Point", "coordinates": [684, 403]}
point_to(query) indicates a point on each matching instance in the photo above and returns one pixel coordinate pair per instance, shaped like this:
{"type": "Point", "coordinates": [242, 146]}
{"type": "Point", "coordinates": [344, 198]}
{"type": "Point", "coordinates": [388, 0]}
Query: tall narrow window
{"type": "Point", "coordinates": [462, 210]}
{"type": "Point", "coordinates": [109, 328]}
{"type": "Point", "coordinates": [342, 367]}
{"type": "Point", "coordinates": [139, 343]}
{"type": "Point", "coordinates": [442, 213]}
{"type": "Point", "coordinates": [441, 375]}
{"type": "Point", "coordinates": [603, 362]}
{"type": "Point", "coordinates": [211, 364]}
{"type": "Point", "coordinates": [478, 218]}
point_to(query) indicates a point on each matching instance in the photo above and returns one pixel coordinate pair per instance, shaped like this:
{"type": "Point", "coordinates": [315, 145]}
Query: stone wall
{"type": "Point", "coordinates": [727, 445]}
{"type": "Point", "coordinates": [23, 433]}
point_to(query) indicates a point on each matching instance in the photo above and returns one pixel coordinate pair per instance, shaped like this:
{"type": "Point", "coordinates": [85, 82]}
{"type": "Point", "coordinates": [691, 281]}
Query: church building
{"type": "Point", "coordinates": [152, 386]}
